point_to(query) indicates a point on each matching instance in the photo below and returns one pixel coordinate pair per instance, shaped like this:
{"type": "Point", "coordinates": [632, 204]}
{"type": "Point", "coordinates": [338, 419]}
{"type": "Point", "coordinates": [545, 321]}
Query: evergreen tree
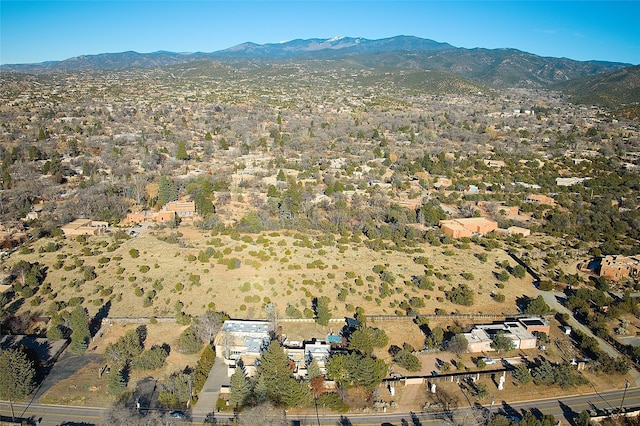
{"type": "Point", "coordinates": [522, 374]}
{"type": "Point", "coordinates": [274, 371]}
{"type": "Point", "coordinates": [16, 374]}
{"type": "Point", "coordinates": [203, 367]}
{"type": "Point", "coordinates": [536, 306]}
{"type": "Point", "coordinates": [313, 369]}
{"type": "Point", "coordinates": [458, 344]}
{"type": "Point", "coordinates": [240, 388]}
{"type": "Point", "coordinates": [190, 343]}
{"type": "Point", "coordinates": [366, 371]}
{"type": "Point", "coordinates": [293, 393]}
{"type": "Point", "coordinates": [115, 381]}
{"type": "Point", "coordinates": [364, 339]}
{"type": "Point", "coordinates": [181, 152]}
{"type": "Point", "coordinates": [176, 391]}
{"type": "Point", "coordinates": [501, 342]}
{"type": "Point", "coordinates": [80, 334]}
{"type": "Point", "coordinates": [55, 330]}
{"type": "Point", "coordinates": [204, 205]}
{"type": "Point", "coordinates": [322, 310]}
{"type": "Point", "coordinates": [167, 191]}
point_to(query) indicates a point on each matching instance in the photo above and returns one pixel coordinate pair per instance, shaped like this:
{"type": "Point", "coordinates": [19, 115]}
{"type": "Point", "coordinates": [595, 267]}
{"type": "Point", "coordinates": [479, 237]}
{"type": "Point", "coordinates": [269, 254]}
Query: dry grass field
{"type": "Point", "coordinates": [287, 268]}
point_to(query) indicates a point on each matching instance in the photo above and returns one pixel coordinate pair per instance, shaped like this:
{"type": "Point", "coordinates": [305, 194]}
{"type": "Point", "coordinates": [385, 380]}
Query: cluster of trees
{"type": "Point", "coordinates": [128, 352]}
{"type": "Point", "coordinates": [405, 357]}
{"type": "Point", "coordinates": [74, 324]}
{"type": "Point", "coordinates": [27, 277]}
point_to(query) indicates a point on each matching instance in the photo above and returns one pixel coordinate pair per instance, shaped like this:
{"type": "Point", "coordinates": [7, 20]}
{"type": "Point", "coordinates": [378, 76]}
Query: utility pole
{"type": "Point", "coordinates": [626, 386]}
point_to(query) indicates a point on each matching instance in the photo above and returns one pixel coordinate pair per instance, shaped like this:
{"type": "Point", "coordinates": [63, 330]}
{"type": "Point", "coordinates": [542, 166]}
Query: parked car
{"type": "Point", "coordinates": [488, 361]}
{"type": "Point", "coordinates": [177, 415]}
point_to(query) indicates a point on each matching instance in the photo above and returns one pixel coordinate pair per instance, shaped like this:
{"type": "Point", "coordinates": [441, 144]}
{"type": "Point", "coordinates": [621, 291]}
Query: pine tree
{"type": "Point", "coordinates": [240, 388]}
{"type": "Point", "coordinates": [16, 374]}
{"type": "Point", "coordinates": [274, 371]}
{"type": "Point", "coordinates": [181, 152]}
{"type": "Point", "coordinates": [323, 312]}
{"type": "Point", "coordinates": [80, 334]}
{"type": "Point", "coordinates": [203, 367]}
{"type": "Point", "coordinates": [167, 191]}
{"type": "Point", "coordinates": [115, 382]}
{"type": "Point", "coordinates": [313, 369]}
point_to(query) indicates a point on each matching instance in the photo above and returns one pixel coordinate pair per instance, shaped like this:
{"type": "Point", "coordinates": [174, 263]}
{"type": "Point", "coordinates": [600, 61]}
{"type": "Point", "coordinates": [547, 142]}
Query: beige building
{"type": "Point", "coordinates": [520, 332]}
{"type": "Point", "coordinates": [460, 228]}
{"type": "Point", "coordinates": [85, 227]}
{"type": "Point", "coordinates": [182, 209]}
{"type": "Point", "coordinates": [513, 230]}
{"type": "Point", "coordinates": [540, 199]}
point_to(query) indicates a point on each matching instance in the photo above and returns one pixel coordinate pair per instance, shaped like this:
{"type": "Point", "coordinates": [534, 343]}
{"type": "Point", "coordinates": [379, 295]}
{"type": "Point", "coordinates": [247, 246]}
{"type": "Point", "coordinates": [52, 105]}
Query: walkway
{"type": "Point", "coordinates": [208, 396]}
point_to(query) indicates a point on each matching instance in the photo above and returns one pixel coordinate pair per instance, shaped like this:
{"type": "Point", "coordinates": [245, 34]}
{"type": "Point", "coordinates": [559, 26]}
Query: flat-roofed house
{"type": "Point", "coordinates": [540, 199]}
{"type": "Point", "coordinates": [459, 228]}
{"type": "Point", "coordinates": [619, 267]}
{"type": "Point", "coordinates": [520, 332]}
{"type": "Point", "coordinates": [84, 227]}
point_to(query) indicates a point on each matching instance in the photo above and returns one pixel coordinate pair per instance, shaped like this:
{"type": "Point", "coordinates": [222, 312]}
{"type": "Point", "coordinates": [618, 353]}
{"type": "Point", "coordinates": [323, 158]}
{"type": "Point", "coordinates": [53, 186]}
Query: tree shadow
{"type": "Point", "coordinates": [568, 413]}
{"type": "Point", "coordinates": [146, 393]}
{"type": "Point", "coordinates": [102, 313]}
{"type": "Point", "coordinates": [344, 421]}
{"type": "Point", "coordinates": [509, 411]}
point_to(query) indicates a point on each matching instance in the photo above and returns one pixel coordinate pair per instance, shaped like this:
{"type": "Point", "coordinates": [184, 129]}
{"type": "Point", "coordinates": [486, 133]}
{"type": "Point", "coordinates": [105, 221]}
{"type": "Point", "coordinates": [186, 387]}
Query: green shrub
{"type": "Point", "coordinates": [189, 341]}
{"type": "Point", "coordinates": [151, 359]}
{"type": "Point", "coordinates": [460, 295]}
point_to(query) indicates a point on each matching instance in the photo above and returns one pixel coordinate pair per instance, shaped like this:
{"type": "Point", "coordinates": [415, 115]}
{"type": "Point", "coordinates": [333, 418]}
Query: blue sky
{"type": "Point", "coordinates": [36, 31]}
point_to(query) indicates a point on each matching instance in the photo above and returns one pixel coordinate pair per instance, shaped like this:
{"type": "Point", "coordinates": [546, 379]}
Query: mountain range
{"type": "Point", "coordinates": [616, 82]}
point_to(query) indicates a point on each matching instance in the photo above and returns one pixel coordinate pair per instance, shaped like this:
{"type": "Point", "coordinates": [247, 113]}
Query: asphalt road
{"type": "Point", "coordinates": [565, 408]}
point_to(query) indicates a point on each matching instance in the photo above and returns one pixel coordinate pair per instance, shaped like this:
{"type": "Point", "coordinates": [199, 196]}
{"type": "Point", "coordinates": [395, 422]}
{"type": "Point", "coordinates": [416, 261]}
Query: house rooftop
{"type": "Point", "coordinates": [261, 327]}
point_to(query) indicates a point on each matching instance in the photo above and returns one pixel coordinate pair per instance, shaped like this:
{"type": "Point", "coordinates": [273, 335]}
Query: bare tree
{"type": "Point", "coordinates": [207, 325]}
{"type": "Point", "coordinates": [264, 414]}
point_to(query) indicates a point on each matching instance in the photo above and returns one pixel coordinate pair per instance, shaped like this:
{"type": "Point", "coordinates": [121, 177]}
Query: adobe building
{"type": "Point", "coordinates": [540, 199]}
{"type": "Point", "coordinates": [84, 227]}
{"type": "Point", "coordinates": [182, 209]}
{"type": "Point", "coordinates": [620, 267]}
{"type": "Point", "coordinates": [460, 228]}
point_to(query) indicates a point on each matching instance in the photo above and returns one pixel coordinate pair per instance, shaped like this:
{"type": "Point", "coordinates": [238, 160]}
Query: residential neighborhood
{"type": "Point", "coordinates": [224, 242]}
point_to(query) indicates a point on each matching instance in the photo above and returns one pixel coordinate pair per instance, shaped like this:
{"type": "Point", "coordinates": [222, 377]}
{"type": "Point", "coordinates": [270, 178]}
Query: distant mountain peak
{"type": "Point", "coordinates": [504, 67]}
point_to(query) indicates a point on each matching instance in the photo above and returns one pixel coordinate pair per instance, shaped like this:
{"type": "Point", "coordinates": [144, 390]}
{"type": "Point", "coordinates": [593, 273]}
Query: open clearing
{"type": "Point", "coordinates": [86, 387]}
{"type": "Point", "coordinates": [287, 268]}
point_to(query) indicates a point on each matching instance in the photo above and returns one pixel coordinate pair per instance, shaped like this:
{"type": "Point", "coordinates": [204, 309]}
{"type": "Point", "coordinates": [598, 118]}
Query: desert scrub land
{"type": "Point", "coordinates": [185, 271]}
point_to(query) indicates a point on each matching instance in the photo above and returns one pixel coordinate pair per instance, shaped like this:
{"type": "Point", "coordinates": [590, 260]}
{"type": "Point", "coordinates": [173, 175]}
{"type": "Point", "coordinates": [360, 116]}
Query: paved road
{"type": "Point", "coordinates": [53, 414]}
{"type": "Point", "coordinates": [563, 408]}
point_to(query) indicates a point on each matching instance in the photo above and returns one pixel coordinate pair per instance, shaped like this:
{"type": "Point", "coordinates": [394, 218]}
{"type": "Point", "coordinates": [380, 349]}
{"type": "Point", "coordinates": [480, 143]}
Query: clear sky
{"type": "Point", "coordinates": [37, 31]}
